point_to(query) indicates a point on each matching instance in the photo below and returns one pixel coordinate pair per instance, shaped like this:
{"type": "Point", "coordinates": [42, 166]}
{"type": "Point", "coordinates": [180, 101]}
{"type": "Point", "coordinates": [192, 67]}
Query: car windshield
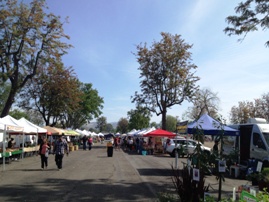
{"type": "Point", "coordinates": [192, 143]}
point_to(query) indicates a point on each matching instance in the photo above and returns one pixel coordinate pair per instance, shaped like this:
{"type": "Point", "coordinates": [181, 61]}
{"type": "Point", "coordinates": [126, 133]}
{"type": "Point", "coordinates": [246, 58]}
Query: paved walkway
{"type": "Point", "coordinates": [92, 176]}
{"type": "Point", "coordinates": [86, 176]}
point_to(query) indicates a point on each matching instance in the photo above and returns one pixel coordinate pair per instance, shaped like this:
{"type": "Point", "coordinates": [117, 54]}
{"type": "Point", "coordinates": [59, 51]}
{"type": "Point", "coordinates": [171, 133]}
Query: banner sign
{"type": "Point", "coordinates": [182, 127]}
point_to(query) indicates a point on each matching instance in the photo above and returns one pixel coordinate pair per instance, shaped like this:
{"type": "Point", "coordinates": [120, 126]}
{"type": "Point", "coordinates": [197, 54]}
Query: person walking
{"type": "Point", "coordinates": [59, 150]}
{"type": "Point", "coordinates": [84, 140]}
{"type": "Point", "coordinates": [90, 142]}
{"type": "Point", "coordinates": [44, 154]}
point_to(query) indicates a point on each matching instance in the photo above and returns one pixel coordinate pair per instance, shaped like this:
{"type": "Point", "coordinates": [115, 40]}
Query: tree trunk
{"type": "Point", "coordinates": [164, 119]}
{"type": "Point", "coordinates": [8, 103]}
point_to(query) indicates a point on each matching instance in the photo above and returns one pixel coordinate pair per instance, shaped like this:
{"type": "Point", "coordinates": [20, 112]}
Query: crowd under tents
{"type": "Point", "coordinates": [26, 135]}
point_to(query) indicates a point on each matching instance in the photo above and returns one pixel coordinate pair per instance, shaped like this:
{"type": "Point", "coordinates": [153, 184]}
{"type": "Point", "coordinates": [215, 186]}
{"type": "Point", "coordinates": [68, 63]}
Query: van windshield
{"type": "Point", "coordinates": [266, 137]}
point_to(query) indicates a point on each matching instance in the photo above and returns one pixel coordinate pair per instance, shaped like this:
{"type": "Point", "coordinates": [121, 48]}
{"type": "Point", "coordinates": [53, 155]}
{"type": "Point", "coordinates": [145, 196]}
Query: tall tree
{"type": "Point", "coordinates": [27, 35]}
{"type": "Point", "coordinates": [205, 101]}
{"type": "Point", "coordinates": [101, 124]}
{"type": "Point", "coordinates": [138, 118]}
{"type": "Point", "coordinates": [252, 14]}
{"type": "Point", "coordinates": [123, 125]}
{"type": "Point", "coordinates": [262, 107]}
{"type": "Point", "coordinates": [89, 107]}
{"type": "Point", "coordinates": [242, 112]}
{"type": "Point", "coordinates": [54, 93]}
{"type": "Point", "coordinates": [4, 91]}
{"type": "Point", "coordinates": [167, 75]}
{"type": "Point", "coordinates": [109, 128]}
{"type": "Point", "coordinates": [171, 123]}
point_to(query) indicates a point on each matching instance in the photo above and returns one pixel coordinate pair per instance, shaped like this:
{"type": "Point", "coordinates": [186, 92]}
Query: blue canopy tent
{"type": "Point", "coordinates": [211, 126]}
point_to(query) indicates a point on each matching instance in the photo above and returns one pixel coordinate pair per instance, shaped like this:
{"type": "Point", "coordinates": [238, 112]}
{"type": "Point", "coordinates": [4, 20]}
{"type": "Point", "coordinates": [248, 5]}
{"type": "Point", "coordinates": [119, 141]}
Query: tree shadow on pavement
{"type": "Point", "coordinates": [78, 190]}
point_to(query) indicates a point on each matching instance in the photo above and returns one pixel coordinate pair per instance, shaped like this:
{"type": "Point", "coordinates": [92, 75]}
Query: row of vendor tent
{"type": "Point", "coordinates": [60, 131]}
{"type": "Point", "coordinates": [89, 133]}
{"type": "Point", "coordinates": [205, 123]}
{"type": "Point", "coordinates": [14, 126]}
{"type": "Point", "coordinates": [140, 133]}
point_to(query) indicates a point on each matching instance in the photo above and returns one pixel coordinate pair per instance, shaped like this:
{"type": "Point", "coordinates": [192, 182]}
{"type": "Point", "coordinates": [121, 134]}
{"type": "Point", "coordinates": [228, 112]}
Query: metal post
{"type": "Point", "coordinates": [4, 147]}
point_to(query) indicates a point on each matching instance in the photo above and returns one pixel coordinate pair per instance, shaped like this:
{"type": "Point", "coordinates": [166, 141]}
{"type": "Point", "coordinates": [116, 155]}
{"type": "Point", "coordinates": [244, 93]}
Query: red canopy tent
{"type": "Point", "coordinates": [159, 133]}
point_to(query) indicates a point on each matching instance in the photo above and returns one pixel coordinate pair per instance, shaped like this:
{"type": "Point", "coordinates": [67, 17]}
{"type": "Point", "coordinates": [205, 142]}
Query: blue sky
{"type": "Point", "coordinates": [105, 33]}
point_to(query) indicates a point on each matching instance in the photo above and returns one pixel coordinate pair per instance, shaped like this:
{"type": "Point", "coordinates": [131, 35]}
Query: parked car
{"type": "Point", "coordinates": [185, 147]}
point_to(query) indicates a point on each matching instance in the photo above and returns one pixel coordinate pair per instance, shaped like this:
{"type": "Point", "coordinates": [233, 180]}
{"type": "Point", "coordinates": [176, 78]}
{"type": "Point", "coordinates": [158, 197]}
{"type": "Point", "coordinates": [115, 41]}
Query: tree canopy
{"type": "Point", "coordinates": [167, 75]}
{"type": "Point", "coordinates": [171, 123]}
{"type": "Point", "coordinates": [122, 126]}
{"type": "Point", "coordinates": [138, 118]}
{"type": "Point", "coordinates": [28, 37]}
{"type": "Point", "coordinates": [205, 101]}
{"type": "Point", "coordinates": [101, 124]}
{"type": "Point", "coordinates": [249, 109]}
{"type": "Point", "coordinates": [252, 14]}
{"type": "Point", "coordinates": [90, 106]}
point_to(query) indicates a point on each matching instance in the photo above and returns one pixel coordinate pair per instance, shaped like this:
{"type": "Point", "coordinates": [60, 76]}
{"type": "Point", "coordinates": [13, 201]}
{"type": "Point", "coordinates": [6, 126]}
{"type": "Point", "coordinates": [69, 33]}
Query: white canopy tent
{"type": "Point", "coordinates": [33, 127]}
{"type": "Point", "coordinates": [27, 129]}
{"type": "Point", "coordinates": [132, 132]}
{"type": "Point", "coordinates": [7, 127]}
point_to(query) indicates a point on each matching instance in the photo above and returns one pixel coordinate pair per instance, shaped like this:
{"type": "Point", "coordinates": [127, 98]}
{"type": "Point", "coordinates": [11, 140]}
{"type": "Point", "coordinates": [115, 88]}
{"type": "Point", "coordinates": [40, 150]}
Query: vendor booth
{"type": "Point", "coordinates": [157, 137]}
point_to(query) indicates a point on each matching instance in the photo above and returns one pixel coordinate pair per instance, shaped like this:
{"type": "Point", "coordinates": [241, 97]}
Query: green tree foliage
{"type": "Point", "coordinates": [154, 124]}
{"type": "Point", "coordinates": [138, 118]}
{"type": "Point", "coordinates": [17, 114]}
{"type": "Point", "coordinates": [30, 115]}
{"type": "Point", "coordinates": [167, 75]}
{"type": "Point", "coordinates": [90, 107]}
{"type": "Point", "coordinates": [252, 14]}
{"type": "Point", "coordinates": [171, 123]}
{"type": "Point", "coordinates": [28, 37]}
{"type": "Point", "coordinates": [205, 101]}
{"type": "Point", "coordinates": [122, 126]}
{"type": "Point", "coordinates": [109, 128]}
{"type": "Point", "coordinates": [101, 124]}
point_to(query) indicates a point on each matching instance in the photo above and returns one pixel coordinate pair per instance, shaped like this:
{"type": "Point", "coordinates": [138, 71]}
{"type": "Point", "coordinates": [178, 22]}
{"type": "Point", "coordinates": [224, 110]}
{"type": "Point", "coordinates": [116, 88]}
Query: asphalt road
{"type": "Point", "coordinates": [92, 176]}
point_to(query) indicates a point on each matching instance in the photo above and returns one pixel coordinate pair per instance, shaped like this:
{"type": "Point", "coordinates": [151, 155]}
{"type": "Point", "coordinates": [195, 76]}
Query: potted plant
{"type": "Point", "coordinates": [264, 181]}
{"type": "Point", "coordinates": [255, 178]}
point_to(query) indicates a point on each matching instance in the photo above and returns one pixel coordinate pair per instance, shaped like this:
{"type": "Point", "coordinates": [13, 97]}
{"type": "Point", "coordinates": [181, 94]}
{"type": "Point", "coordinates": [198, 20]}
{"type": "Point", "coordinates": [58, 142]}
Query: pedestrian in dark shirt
{"type": "Point", "coordinates": [10, 143]}
{"type": "Point", "coordinates": [60, 149]}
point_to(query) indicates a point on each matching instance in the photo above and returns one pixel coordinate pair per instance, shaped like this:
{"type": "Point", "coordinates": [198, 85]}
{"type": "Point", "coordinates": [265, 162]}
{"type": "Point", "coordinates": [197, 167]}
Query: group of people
{"type": "Point", "coordinates": [60, 148]}
{"type": "Point", "coordinates": [138, 144]}
{"type": "Point", "coordinates": [87, 140]}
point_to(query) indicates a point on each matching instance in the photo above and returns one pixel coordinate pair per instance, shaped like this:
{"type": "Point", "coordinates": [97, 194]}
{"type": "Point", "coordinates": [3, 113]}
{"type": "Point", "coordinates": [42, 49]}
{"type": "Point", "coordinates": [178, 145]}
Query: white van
{"type": "Point", "coordinates": [253, 141]}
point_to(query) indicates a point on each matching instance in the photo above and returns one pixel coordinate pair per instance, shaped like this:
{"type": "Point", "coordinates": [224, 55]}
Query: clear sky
{"type": "Point", "coordinates": [105, 33]}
